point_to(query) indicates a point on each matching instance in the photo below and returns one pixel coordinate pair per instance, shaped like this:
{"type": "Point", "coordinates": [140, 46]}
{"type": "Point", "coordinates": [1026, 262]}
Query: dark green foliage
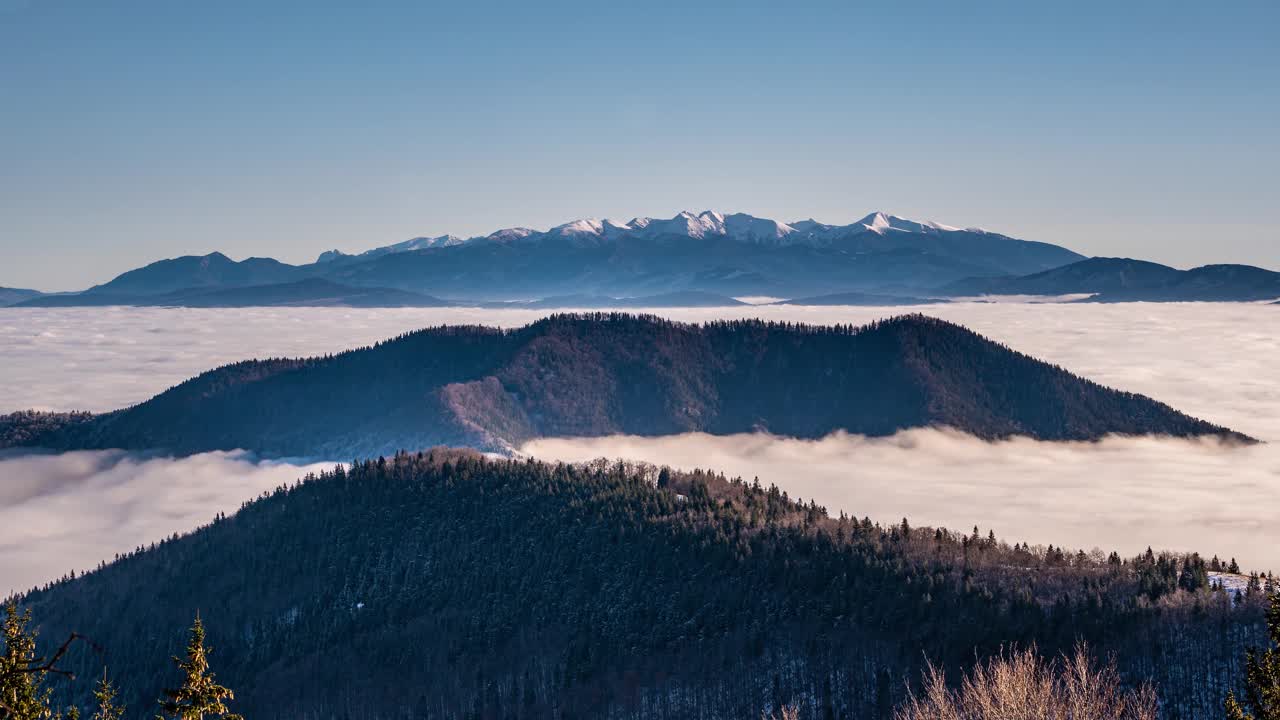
{"type": "Point", "coordinates": [25, 691]}
{"type": "Point", "coordinates": [32, 427]}
{"type": "Point", "coordinates": [1262, 677]}
{"type": "Point", "coordinates": [615, 373]}
{"type": "Point", "coordinates": [23, 695]}
{"type": "Point", "coordinates": [448, 585]}
{"type": "Point", "coordinates": [104, 698]}
{"type": "Point", "coordinates": [199, 694]}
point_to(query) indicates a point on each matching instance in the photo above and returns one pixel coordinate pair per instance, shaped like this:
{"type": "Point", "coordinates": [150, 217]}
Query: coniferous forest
{"type": "Point", "coordinates": [447, 584]}
{"type": "Point", "coordinates": [599, 374]}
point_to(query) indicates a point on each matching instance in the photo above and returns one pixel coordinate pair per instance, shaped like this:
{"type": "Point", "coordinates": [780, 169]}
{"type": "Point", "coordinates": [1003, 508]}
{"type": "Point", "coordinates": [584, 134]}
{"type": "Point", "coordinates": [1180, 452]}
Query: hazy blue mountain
{"type": "Point", "coordinates": [444, 584]}
{"type": "Point", "coordinates": [1208, 283]}
{"type": "Point", "coordinates": [590, 375]}
{"type": "Point", "coordinates": [311, 292]}
{"type": "Point", "coordinates": [419, 243]}
{"type": "Point", "coordinates": [214, 270]}
{"type": "Point", "coordinates": [726, 255]}
{"type": "Point", "coordinates": [855, 298]}
{"type": "Point", "coordinates": [308, 292]}
{"type": "Point", "coordinates": [13, 296]}
{"type": "Point", "coordinates": [1124, 279]}
{"type": "Point", "coordinates": [585, 262]}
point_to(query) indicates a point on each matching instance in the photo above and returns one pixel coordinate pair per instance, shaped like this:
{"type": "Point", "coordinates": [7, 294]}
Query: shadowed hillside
{"type": "Point", "coordinates": [445, 585]}
{"type": "Point", "coordinates": [591, 375]}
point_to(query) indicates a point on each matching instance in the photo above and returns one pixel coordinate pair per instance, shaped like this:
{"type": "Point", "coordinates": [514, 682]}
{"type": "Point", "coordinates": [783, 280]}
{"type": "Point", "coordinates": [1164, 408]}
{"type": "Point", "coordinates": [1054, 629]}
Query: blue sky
{"type": "Point", "coordinates": [138, 129]}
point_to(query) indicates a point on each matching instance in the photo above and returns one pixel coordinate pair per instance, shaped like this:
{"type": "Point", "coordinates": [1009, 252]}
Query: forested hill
{"type": "Point", "coordinates": [589, 375]}
{"type": "Point", "coordinates": [446, 585]}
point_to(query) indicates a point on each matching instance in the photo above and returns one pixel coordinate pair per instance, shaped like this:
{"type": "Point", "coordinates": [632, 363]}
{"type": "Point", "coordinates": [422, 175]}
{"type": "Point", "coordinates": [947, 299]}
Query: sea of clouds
{"type": "Point", "coordinates": [1215, 361]}
{"type": "Point", "coordinates": [69, 511]}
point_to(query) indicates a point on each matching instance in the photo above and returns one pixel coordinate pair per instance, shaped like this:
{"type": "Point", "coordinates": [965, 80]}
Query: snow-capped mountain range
{"type": "Point", "coordinates": [881, 258]}
{"type": "Point", "coordinates": [707, 252]}
{"type": "Point", "coordinates": [709, 223]}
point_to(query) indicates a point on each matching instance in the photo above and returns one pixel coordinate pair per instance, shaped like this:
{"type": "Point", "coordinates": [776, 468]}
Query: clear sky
{"type": "Point", "coordinates": [132, 130]}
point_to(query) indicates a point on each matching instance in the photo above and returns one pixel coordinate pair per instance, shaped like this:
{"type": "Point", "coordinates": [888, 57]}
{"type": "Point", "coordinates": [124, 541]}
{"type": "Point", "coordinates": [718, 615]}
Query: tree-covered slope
{"type": "Point", "coordinates": [590, 375]}
{"type": "Point", "coordinates": [214, 270]}
{"type": "Point", "coordinates": [309, 292]}
{"type": "Point", "coordinates": [448, 585]}
{"type": "Point", "coordinates": [1128, 280]}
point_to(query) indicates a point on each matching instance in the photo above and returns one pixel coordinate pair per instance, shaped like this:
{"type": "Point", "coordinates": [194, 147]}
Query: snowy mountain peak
{"type": "Point", "coordinates": [880, 223]}
{"type": "Point", "coordinates": [876, 222]}
{"type": "Point", "coordinates": [586, 226]}
{"type": "Point", "coordinates": [741, 226]}
{"type": "Point", "coordinates": [706, 224]}
{"type": "Point", "coordinates": [509, 234]}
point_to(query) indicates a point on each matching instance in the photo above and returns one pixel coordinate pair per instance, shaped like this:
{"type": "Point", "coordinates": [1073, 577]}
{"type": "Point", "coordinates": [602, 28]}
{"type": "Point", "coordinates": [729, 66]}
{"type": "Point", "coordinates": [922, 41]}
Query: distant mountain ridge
{"type": "Point", "coordinates": [710, 253]}
{"type": "Point", "coordinates": [591, 375]}
{"type": "Point", "coordinates": [214, 270]}
{"type": "Point", "coordinates": [709, 223]}
{"type": "Point", "coordinates": [13, 296]}
{"type": "Point", "coordinates": [308, 292]}
{"type": "Point", "coordinates": [735, 254]}
{"type": "Point", "coordinates": [1125, 279]}
{"type": "Point", "coordinates": [728, 255]}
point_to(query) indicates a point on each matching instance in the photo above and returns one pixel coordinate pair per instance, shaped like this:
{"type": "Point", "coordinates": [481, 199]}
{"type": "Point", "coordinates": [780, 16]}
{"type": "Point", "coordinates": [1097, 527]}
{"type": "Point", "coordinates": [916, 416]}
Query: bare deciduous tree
{"type": "Point", "coordinates": [1020, 685]}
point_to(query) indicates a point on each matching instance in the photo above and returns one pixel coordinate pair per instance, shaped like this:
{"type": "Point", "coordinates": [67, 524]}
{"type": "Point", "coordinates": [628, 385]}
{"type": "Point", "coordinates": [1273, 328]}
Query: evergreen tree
{"type": "Point", "coordinates": [1262, 677]}
{"type": "Point", "coordinates": [105, 695]}
{"type": "Point", "coordinates": [1194, 575]}
{"type": "Point", "coordinates": [22, 695]}
{"type": "Point", "coordinates": [199, 694]}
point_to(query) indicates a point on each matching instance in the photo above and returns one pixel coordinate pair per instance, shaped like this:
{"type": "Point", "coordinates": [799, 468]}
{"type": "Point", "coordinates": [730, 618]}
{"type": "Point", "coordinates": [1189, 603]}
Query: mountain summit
{"type": "Point", "coordinates": [591, 375]}
{"type": "Point", "coordinates": [708, 223]}
{"type": "Point", "coordinates": [709, 252]}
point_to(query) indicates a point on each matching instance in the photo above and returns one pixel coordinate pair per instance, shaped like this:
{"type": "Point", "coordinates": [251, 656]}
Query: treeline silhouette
{"type": "Point", "coordinates": [598, 374]}
{"type": "Point", "coordinates": [447, 584]}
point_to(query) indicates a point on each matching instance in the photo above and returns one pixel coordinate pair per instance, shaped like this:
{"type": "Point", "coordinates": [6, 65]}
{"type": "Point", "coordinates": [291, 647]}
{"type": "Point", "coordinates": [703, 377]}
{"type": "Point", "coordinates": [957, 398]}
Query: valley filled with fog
{"type": "Point", "coordinates": [1213, 361]}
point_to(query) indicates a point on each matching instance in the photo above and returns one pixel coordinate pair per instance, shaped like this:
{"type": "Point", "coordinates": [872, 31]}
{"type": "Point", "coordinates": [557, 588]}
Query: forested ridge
{"type": "Point", "coordinates": [598, 374]}
{"type": "Point", "coordinates": [446, 584]}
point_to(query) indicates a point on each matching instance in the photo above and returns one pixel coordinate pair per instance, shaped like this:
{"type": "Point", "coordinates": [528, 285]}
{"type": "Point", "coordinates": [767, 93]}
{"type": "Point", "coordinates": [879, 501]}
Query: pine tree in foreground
{"type": "Point", "coordinates": [1262, 677]}
{"type": "Point", "coordinates": [104, 693]}
{"type": "Point", "coordinates": [199, 695]}
{"type": "Point", "coordinates": [22, 695]}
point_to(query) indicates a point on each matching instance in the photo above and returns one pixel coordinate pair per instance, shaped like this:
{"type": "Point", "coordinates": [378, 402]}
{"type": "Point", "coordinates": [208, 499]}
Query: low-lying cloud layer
{"type": "Point", "coordinates": [1214, 361]}
{"type": "Point", "coordinates": [69, 511]}
{"type": "Point", "coordinates": [1118, 494]}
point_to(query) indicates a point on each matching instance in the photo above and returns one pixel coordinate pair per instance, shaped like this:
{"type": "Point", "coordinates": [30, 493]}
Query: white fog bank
{"type": "Point", "coordinates": [69, 511]}
{"type": "Point", "coordinates": [1118, 494]}
{"type": "Point", "coordinates": [1213, 360]}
